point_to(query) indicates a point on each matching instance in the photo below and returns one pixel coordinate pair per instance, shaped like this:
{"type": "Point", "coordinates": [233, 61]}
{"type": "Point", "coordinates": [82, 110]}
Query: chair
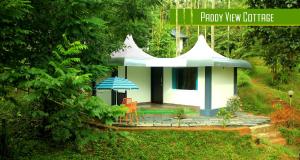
{"type": "Point", "coordinates": [132, 108]}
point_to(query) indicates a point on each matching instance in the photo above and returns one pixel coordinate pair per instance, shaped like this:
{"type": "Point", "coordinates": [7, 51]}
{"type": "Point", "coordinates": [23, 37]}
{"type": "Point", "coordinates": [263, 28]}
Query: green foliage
{"type": "Point", "coordinates": [233, 104]}
{"type": "Point", "coordinates": [45, 80]}
{"type": "Point", "coordinates": [31, 30]}
{"type": "Point", "coordinates": [225, 115]}
{"type": "Point", "coordinates": [12, 34]}
{"type": "Point", "coordinates": [180, 114]}
{"type": "Point", "coordinates": [231, 43]}
{"type": "Point", "coordinates": [59, 95]}
{"type": "Point", "coordinates": [292, 135]}
{"type": "Point", "coordinates": [280, 44]}
{"type": "Point", "coordinates": [162, 43]}
{"type": "Point", "coordinates": [58, 104]}
{"type": "Point", "coordinates": [243, 79]}
{"type": "Point", "coordinates": [12, 40]}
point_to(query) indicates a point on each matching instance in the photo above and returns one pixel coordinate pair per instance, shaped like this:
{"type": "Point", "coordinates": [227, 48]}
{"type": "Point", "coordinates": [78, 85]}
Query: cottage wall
{"type": "Point", "coordinates": [141, 76]}
{"type": "Point", "coordinates": [184, 97]}
{"type": "Point", "coordinates": [222, 86]}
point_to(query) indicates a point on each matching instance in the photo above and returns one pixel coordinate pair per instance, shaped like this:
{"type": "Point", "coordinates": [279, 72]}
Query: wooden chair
{"type": "Point", "coordinates": [132, 108]}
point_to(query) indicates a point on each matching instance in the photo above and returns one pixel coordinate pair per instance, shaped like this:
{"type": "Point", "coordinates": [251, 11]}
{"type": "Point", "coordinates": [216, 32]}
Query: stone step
{"type": "Point", "coordinates": [262, 128]}
{"type": "Point", "coordinates": [274, 134]}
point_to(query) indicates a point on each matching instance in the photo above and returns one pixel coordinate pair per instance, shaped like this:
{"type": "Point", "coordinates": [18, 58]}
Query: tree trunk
{"type": "Point", "coordinates": [3, 144]}
{"type": "Point", "coordinates": [94, 90]}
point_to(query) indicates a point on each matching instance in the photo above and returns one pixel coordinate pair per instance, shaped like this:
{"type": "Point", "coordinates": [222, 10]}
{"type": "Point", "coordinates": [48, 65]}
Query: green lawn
{"type": "Point", "coordinates": [171, 145]}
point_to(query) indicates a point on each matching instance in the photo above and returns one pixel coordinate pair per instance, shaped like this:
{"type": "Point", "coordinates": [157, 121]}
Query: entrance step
{"type": "Point", "coordinates": [272, 134]}
{"type": "Point", "coordinates": [262, 128]}
{"type": "Point", "coordinates": [268, 132]}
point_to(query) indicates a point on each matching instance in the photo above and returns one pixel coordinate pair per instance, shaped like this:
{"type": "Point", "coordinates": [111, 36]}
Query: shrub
{"type": "Point", "coordinates": [286, 116]}
{"type": "Point", "coordinates": [180, 114]}
{"type": "Point", "coordinates": [225, 115]}
{"type": "Point", "coordinates": [233, 104]}
{"type": "Point", "coordinates": [57, 105]}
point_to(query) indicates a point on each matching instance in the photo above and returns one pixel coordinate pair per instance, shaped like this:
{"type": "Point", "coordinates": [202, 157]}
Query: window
{"type": "Point", "coordinates": [184, 78]}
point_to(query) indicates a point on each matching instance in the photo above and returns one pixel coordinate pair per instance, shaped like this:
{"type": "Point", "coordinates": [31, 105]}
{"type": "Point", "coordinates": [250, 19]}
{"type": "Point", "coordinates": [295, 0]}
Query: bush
{"type": "Point", "coordinates": [180, 114]}
{"type": "Point", "coordinates": [225, 115]}
{"type": "Point", "coordinates": [233, 104]}
{"type": "Point", "coordinates": [57, 107]}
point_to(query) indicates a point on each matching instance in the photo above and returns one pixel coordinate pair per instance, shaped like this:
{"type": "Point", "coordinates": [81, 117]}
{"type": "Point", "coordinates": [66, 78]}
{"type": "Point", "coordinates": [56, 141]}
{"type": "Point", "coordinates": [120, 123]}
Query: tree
{"type": "Point", "coordinates": [38, 27]}
{"type": "Point", "coordinates": [61, 91]}
{"type": "Point", "coordinates": [12, 41]}
{"type": "Point", "coordinates": [162, 44]}
{"type": "Point", "coordinates": [56, 74]}
{"type": "Point", "coordinates": [279, 46]}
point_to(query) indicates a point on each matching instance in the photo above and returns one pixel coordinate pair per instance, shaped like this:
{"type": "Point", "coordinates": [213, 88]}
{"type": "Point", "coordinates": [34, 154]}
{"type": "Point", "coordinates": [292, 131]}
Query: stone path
{"type": "Point", "coordinates": [241, 119]}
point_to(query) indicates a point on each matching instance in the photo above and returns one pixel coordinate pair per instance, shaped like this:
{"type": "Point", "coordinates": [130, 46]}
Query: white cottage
{"type": "Point", "coordinates": [201, 77]}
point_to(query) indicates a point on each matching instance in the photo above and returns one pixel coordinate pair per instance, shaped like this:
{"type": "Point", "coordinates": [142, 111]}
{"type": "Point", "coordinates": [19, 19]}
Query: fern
{"type": "Point", "coordinates": [62, 89]}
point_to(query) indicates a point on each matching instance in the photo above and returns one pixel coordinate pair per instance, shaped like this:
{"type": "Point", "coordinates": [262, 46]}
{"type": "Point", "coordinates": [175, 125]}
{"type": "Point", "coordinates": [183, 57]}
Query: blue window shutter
{"type": "Point", "coordinates": [174, 78]}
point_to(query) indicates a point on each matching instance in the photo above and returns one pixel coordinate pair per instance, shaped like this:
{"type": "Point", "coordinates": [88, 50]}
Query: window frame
{"type": "Point", "coordinates": [175, 77]}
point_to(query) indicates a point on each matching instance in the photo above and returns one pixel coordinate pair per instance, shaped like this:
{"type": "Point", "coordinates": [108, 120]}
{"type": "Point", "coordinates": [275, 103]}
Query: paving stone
{"type": "Point", "coordinates": [241, 119]}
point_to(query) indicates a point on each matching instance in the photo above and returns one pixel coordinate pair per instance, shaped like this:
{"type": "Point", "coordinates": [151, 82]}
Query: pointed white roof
{"type": "Point", "coordinates": [201, 50]}
{"type": "Point", "coordinates": [130, 50]}
{"type": "Point", "coordinates": [200, 55]}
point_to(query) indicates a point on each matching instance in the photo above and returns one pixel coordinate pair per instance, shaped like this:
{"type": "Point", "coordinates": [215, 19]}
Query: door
{"type": "Point", "coordinates": [120, 97]}
{"type": "Point", "coordinates": [157, 85]}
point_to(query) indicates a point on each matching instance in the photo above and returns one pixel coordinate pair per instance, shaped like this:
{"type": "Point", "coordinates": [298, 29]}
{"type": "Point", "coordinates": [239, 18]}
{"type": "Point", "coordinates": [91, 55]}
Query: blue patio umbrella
{"type": "Point", "coordinates": [116, 83]}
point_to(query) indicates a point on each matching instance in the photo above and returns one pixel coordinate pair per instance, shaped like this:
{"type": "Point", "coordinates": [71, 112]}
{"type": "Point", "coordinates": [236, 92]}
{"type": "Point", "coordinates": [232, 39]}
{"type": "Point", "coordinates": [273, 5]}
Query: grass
{"type": "Point", "coordinates": [259, 92]}
{"type": "Point", "coordinates": [292, 135]}
{"type": "Point", "coordinates": [171, 145]}
{"type": "Point", "coordinates": [255, 98]}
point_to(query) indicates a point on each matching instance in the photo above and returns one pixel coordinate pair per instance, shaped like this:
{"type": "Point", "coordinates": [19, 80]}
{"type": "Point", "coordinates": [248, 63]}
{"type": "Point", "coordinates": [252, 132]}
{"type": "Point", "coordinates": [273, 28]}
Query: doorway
{"type": "Point", "coordinates": [157, 85]}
